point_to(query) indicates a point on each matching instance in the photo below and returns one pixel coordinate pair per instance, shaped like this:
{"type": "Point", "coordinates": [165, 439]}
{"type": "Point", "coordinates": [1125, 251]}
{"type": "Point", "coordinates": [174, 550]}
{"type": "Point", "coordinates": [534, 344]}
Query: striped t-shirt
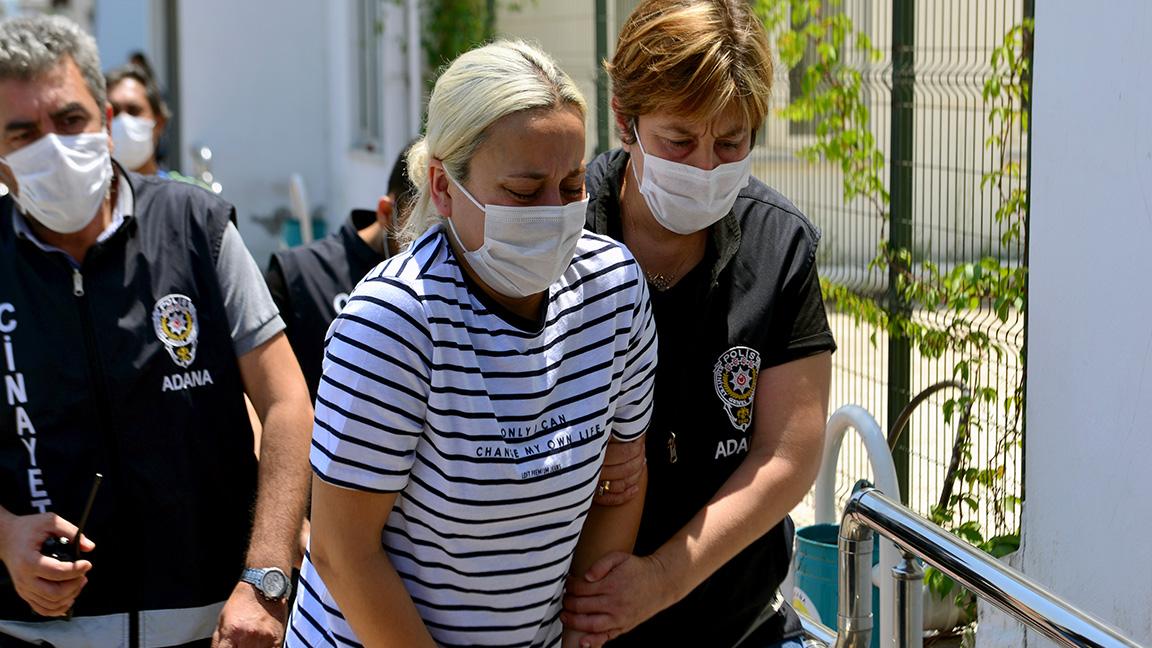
{"type": "Point", "coordinates": [491, 429]}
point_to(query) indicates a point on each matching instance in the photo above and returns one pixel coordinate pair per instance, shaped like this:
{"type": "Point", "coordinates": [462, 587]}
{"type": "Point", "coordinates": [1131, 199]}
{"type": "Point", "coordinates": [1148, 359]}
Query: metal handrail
{"type": "Point", "coordinates": [813, 629]}
{"type": "Point", "coordinates": [870, 510]}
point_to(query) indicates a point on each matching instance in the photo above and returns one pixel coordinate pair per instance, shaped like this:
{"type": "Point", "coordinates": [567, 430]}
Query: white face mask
{"type": "Point", "coordinates": [685, 199]}
{"type": "Point", "coordinates": [62, 179]}
{"type": "Point", "coordinates": [526, 249]}
{"type": "Point", "coordinates": [132, 137]}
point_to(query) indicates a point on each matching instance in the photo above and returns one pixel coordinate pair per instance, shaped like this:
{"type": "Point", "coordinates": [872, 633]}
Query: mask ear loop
{"type": "Point", "coordinates": [636, 132]}
{"type": "Point", "coordinates": [461, 188]}
{"type": "Point", "coordinates": [632, 163]}
{"type": "Point", "coordinates": [451, 225]}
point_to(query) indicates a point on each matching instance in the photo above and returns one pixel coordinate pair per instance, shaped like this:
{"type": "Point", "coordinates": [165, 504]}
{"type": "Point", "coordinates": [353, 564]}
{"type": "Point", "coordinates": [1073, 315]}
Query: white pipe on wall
{"type": "Point", "coordinates": [884, 472]}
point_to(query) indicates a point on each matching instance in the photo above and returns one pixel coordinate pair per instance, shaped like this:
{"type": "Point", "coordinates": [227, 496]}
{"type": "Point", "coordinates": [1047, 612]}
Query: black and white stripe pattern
{"type": "Point", "coordinates": [492, 435]}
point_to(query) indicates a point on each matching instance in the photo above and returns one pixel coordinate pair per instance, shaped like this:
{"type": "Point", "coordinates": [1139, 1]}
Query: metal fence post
{"type": "Point", "coordinates": [1029, 13]}
{"type": "Point", "coordinates": [900, 219]}
{"type": "Point", "coordinates": [170, 11]}
{"type": "Point", "coordinates": [490, 20]}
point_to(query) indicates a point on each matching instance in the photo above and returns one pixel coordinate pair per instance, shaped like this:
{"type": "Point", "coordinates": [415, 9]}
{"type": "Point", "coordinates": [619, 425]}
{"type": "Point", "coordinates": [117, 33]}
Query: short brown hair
{"type": "Point", "coordinates": [694, 58]}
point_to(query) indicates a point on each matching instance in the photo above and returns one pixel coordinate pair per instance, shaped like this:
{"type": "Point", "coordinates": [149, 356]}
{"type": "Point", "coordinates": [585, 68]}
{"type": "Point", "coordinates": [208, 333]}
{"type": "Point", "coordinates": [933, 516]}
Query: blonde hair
{"type": "Point", "coordinates": [479, 88]}
{"type": "Point", "coordinates": [693, 58]}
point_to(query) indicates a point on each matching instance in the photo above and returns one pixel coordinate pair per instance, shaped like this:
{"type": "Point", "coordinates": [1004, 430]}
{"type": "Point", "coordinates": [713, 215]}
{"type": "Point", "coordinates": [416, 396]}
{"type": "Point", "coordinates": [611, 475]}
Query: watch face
{"type": "Point", "coordinates": [274, 583]}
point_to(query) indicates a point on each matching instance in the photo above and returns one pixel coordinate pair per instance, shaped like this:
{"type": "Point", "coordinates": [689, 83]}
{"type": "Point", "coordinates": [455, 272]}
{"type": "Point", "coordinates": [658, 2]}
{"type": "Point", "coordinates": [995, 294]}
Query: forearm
{"type": "Point", "coordinates": [609, 528]}
{"type": "Point", "coordinates": [282, 495]}
{"type": "Point", "coordinates": [7, 533]}
{"type": "Point", "coordinates": [364, 582]}
{"type": "Point", "coordinates": [5, 525]}
{"type": "Point", "coordinates": [782, 462]}
{"type": "Point", "coordinates": [757, 497]}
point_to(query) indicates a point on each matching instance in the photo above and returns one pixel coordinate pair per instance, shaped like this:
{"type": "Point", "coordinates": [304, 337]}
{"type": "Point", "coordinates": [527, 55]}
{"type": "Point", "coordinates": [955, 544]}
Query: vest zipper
{"type": "Point", "coordinates": [77, 283]}
{"type": "Point", "coordinates": [133, 629]}
{"type": "Point", "coordinates": [104, 417]}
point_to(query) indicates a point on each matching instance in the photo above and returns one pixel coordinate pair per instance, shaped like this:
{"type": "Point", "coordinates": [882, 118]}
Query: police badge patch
{"type": "Point", "coordinates": [735, 380]}
{"type": "Point", "coordinates": [174, 320]}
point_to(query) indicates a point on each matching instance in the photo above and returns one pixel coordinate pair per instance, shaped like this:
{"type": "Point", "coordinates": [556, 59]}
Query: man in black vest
{"type": "Point", "coordinates": [132, 323]}
{"type": "Point", "coordinates": [311, 283]}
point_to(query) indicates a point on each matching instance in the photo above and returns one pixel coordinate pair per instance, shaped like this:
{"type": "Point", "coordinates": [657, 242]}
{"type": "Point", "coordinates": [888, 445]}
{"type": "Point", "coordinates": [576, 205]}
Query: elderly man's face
{"type": "Point", "coordinates": [57, 101]}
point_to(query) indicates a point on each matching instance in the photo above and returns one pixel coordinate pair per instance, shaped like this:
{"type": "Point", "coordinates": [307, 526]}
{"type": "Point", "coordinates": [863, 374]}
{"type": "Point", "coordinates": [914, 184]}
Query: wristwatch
{"type": "Point", "coordinates": [271, 582]}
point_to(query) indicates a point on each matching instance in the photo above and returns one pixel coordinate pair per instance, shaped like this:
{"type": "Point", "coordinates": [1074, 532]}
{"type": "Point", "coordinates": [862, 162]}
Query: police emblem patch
{"type": "Point", "coordinates": [174, 320]}
{"type": "Point", "coordinates": [734, 377]}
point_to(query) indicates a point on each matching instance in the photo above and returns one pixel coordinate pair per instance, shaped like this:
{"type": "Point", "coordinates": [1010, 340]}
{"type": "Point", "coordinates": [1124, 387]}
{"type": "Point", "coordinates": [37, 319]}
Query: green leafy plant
{"type": "Point", "coordinates": [452, 27]}
{"type": "Point", "coordinates": [832, 97]}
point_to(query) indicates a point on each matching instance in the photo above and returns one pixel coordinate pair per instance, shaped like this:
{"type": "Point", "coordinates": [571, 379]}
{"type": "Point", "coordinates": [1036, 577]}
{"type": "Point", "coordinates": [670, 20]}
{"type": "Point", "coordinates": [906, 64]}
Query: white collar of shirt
{"type": "Point", "coordinates": [123, 208]}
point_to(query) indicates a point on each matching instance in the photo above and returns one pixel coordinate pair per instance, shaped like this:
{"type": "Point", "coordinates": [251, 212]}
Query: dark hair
{"type": "Point", "coordinates": [399, 184]}
{"type": "Point", "coordinates": [140, 60]}
{"type": "Point", "coordinates": [151, 90]}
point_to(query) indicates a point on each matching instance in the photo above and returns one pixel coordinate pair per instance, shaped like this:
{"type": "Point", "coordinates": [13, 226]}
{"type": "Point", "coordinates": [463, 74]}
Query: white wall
{"type": "Point", "coordinates": [254, 88]}
{"type": "Point", "coordinates": [121, 28]}
{"type": "Point", "coordinates": [359, 178]}
{"type": "Point", "coordinates": [567, 31]}
{"type": "Point", "coordinates": [1088, 518]}
{"type": "Point", "coordinates": [269, 87]}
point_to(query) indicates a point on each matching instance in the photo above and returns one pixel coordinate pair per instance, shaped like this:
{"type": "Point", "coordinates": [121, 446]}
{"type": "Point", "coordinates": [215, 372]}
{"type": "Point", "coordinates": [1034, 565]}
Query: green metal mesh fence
{"type": "Point", "coordinates": [953, 222]}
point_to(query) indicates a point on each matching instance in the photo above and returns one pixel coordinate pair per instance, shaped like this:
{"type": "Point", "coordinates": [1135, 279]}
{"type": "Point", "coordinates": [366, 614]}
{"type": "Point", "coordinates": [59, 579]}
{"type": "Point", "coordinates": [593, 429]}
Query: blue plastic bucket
{"type": "Point", "coordinates": [290, 231]}
{"type": "Point", "coordinates": [816, 586]}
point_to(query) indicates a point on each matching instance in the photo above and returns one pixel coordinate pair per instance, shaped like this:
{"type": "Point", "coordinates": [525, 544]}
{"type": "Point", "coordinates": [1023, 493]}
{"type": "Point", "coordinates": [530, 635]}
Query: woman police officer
{"type": "Point", "coordinates": [745, 347]}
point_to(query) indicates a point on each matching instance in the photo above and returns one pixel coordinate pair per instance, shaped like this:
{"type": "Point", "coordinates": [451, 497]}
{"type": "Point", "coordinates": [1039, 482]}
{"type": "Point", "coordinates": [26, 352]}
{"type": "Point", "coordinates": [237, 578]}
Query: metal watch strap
{"type": "Point", "coordinates": [255, 577]}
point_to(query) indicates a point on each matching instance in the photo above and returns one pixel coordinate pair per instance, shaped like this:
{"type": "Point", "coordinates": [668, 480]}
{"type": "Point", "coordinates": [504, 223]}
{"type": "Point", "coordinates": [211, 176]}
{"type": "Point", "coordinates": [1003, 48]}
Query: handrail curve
{"type": "Point", "coordinates": [869, 510]}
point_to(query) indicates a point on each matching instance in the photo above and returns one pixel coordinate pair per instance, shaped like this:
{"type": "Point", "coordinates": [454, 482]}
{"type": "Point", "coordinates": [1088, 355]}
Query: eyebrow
{"type": "Point", "coordinates": [19, 126]}
{"type": "Point", "coordinates": [533, 175]}
{"type": "Point", "coordinates": [69, 108]}
{"type": "Point", "coordinates": [739, 130]}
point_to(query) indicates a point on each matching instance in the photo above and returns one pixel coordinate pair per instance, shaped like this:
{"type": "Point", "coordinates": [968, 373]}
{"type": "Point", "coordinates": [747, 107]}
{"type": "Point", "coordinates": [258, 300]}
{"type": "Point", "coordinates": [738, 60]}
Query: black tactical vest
{"type": "Point", "coordinates": [125, 366]}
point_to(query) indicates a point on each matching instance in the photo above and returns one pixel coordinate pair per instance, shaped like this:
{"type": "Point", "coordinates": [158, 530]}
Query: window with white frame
{"type": "Point", "coordinates": [368, 122]}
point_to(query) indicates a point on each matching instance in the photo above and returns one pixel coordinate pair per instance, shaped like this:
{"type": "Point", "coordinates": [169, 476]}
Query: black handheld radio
{"type": "Point", "coordinates": [68, 550]}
